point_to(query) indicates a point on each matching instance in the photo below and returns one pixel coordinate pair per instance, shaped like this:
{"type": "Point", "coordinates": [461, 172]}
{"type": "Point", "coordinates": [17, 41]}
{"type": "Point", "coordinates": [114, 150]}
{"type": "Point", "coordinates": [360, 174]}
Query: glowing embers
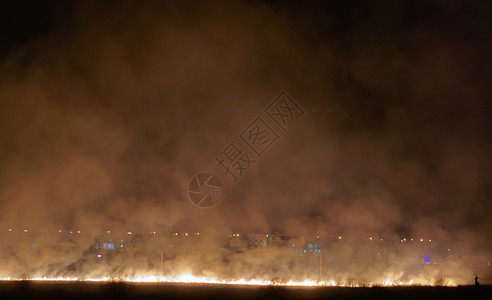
{"type": "Point", "coordinates": [193, 279]}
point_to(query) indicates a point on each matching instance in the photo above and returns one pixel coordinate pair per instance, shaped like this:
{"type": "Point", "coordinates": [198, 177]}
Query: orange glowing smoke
{"type": "Point", "coordinates": [191, 279]}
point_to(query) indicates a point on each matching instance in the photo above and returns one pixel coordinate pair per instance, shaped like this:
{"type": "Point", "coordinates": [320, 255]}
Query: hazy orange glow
{"type": "Point", "coordinates": [191, 279]}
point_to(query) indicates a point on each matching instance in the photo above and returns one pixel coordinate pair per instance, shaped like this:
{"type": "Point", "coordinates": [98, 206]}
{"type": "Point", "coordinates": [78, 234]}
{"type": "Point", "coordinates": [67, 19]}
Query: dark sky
{"type": "Point", "coordinates": [107, 110]}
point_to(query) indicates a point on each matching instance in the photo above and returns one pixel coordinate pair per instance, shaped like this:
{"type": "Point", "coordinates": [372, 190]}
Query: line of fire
{"type": "Point", "coordinates": [317, 253]}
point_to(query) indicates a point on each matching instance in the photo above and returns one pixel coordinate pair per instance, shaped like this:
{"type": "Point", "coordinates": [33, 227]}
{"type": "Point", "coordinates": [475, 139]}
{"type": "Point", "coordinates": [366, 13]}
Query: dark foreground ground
{"type": "Point", "coordinates": [82, 290]}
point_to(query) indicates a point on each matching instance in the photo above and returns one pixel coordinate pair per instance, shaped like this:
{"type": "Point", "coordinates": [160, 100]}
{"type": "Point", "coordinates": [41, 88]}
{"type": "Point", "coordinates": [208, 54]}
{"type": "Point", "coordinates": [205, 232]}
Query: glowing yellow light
{"type": "Point", "coordinates": [78, 231]}
{"type": "Point", "coordinates": [59, 230]}
{"type": "Point", "coordinates": [430, 240]}
{"type": "Point", "coordinates": [421, 240]}
{"type": "Point", "coordinates": [25, 230]}
{"type": "Point", "coordinates": [388, 283]}
{"type": "Point", "coordinates": [192, 279]}
{"type": "Point", "coordinates": [10, 229]}
{"type": "Point", "coordinates": [370, 238]}
{"type": "Point", "coordinates": [339, 237]}
{"type": "Point", "coordinates": [129, 232]}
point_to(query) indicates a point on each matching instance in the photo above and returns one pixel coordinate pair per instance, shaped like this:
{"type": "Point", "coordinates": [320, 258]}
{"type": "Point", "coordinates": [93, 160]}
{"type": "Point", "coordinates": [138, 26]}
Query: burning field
{"type": "Point", "coordinates": [84, 290]}
{"type": "Point", "coordinates": [285, 148]}
{"type": "Point", "coordinates": [236, 259]}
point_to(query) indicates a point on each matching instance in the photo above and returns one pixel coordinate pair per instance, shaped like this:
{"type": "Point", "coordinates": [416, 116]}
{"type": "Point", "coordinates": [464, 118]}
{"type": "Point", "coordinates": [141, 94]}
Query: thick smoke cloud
{"type": "Point", "coordinates": [107, 111]}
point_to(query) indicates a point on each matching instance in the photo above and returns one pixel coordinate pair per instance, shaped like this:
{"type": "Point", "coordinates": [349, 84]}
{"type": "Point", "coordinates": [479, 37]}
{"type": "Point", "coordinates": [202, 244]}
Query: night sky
{"type": "Point", "coordinates": [108, 110]}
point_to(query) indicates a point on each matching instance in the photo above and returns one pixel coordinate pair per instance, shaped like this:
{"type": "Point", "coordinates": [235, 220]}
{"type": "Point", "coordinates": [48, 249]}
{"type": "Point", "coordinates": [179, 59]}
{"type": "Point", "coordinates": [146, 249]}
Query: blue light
{"type": "Point", "coordinates": [316, 250]}
{"type": "Point", "coordinates": [122, 240]}
{"type": "Point", "coordinates": [293, 245]}
{"type": "Point", "coordinates": [134, 241]}
{"type": "Point", "coordinates": [310, 250]}
{"type": "Point", "coordinates": [108, 246]}
{"type": "Point", "coordinates": [170, 246]}
{"type": "Point", "coordinates": [121, 246]}
{"type": "Point", "coordinates": [426, 259]}
{"type": "Point", "coordinates": [310, 245]}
